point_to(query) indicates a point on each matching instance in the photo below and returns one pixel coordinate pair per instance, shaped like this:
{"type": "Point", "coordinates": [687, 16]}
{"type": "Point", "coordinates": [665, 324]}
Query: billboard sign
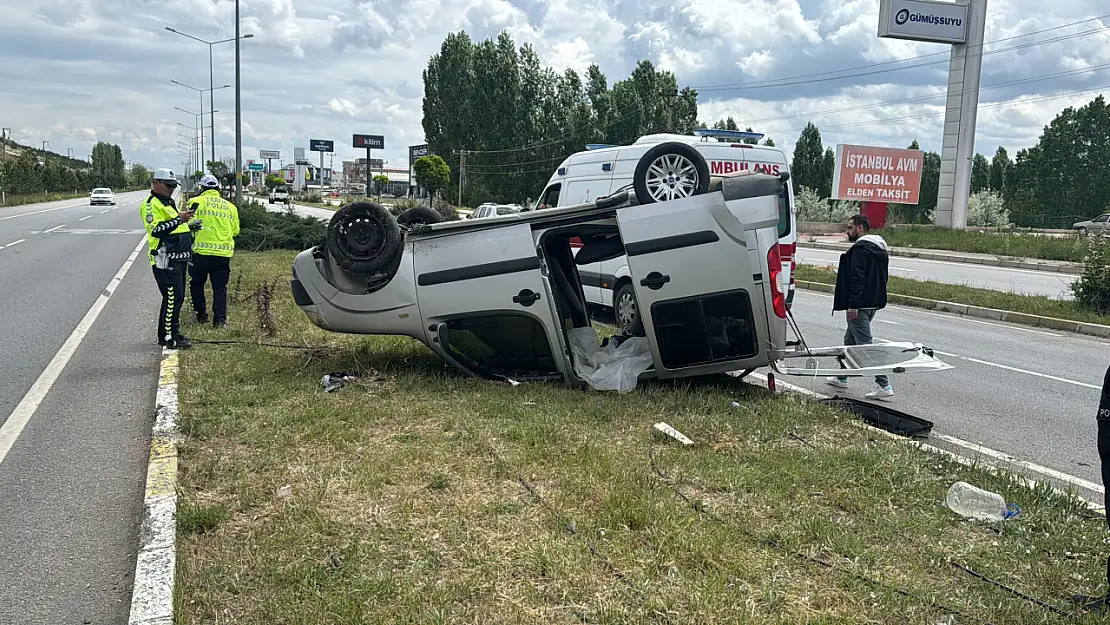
{"type": "Point", "coordinates": [873, 174]}
{"type": "Point", "coordinates": [415, 152]}
{"type": "Point", "coordinates": [256, 166]}
{"type": "Point", "coordinates": [267, 154]}
{"type": "Point", "coordinates": [923, 20]}
{"type": "Point", "coordinates": [298, 156]}
{"type": "Point", "coordinates": [321, 145]}
{"type": "Point", "coordinates": [370, 142]}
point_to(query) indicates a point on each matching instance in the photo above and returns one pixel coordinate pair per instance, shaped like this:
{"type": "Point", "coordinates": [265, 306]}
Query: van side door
{"type": "Point", "coordinates": [483, 303]}
{"type": "Point", "coordinates": [700, 294]}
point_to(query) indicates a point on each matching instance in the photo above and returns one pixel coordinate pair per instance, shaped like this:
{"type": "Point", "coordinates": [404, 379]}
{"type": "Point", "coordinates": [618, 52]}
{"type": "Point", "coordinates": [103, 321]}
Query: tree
{"type": "Point", "coordinates": [914, 146]}
{"type": "Point", "coordinates": [999, 166]}
{"type": "Point", "coordinates": [930, 188]}
{"type": "Point", "coordinates": [769, 142]}
{"type": "Point", "coordinates": [380, 182]}
{"type": "Point", "coordinates": [108, 165]}
{"type": "Point", "coordinates": [828, 168]}
{"type": "Point", "coordinates": [222, 172]}
{"type": "Point", "coordinates": [985, 208]}
{"type": "Point", "coordinates": [273, 181]}
{"type": "Point", "coordinates": [432, 173]}
{"type": "Point", "coordinates": [980, 173]}
{"type": "Point", "coordinates": [807, 167]}
{"type": "Point", "coordinates": [139, 176]}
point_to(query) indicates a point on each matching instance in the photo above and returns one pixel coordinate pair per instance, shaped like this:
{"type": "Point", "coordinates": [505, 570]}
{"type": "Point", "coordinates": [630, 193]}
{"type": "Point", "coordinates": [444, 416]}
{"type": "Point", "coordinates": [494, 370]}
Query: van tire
{"type": "Point", "coordinates": [626, 312]}
{"type": "Point", "coordinates": [419, 215]}
{"type": "Point", "coordinates": [363, 237]}
{"type": "Point", "coordinates": [675, 150]}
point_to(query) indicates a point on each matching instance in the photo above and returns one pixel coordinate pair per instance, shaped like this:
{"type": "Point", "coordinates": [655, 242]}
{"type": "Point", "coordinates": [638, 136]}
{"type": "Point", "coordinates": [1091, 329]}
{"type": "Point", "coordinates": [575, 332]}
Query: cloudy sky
{"type": "Point", "coordinates": [74, 71]}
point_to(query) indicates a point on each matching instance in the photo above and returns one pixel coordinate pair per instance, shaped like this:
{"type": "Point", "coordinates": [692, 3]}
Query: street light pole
{"type": "Point", "coordinates": [238, 117]}
{"type": "Point", "coordinates": [211, 78]}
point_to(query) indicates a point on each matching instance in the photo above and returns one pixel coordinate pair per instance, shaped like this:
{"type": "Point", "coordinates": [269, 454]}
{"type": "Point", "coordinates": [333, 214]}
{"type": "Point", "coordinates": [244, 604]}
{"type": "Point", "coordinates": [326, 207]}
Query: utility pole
{"type": "Point", "coordinates": [462, 173]}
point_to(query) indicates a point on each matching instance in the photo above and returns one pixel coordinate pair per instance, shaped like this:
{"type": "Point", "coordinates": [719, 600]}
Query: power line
{"type": "Point", "coordinates": [930, 97]}
{"type": "Point", "coordinates": [772, 84]}
{"type": "Point", "coordinates": [912, 58]}
{"type": "Point", "coordinates": [992, 105]}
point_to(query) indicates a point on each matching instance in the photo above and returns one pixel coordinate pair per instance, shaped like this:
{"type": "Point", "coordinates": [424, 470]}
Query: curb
{"type": "Point", "coordinates": [155, 565]}
{"type": "Point", "coordinates": [978, 312]}
{"type": "Point", "coordinates": [1033, 265]}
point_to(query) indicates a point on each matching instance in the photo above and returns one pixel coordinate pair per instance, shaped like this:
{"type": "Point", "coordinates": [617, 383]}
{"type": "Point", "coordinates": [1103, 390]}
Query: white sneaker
{"type": "Point", "coordinates": [837, 382]}
{"type": "Point", "coordinates": [884, 393]}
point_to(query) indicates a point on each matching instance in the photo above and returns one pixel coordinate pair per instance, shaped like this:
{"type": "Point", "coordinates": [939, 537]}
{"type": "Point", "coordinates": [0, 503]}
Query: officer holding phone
{"type": "Point", "coordinates": [169, 240]}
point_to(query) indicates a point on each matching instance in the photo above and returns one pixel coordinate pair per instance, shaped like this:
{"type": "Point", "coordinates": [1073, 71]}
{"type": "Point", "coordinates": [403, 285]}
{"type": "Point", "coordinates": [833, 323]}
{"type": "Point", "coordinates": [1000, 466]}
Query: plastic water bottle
{"type": "Point", "coordinates": [976, 503]}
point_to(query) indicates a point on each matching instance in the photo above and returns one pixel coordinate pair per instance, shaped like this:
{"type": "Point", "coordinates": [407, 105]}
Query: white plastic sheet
{"type": "Point", "coordinates": [609, 368]}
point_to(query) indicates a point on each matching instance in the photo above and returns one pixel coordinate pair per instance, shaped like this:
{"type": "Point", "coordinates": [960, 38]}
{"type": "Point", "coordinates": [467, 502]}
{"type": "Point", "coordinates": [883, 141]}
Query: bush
{"type": "Point", "coordinates": [403, 204]}
{"type": "Point", "coordinates": [261, 230]}
{"type": "Point", "coordinates": [985, 208]}
{"type": "Point", "coordinates": [446, 210]}
{"type": "Point", "coordinates": [811, 207]}
{"type": "Point", "coordinates": [1092, 289]}
{"type": "Point", "coordinates": [313, 197]}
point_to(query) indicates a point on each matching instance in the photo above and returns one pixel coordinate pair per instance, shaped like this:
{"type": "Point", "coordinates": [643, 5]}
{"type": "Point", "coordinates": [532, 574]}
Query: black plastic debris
{"type": "Point", "coordinates": [334, 381]}
{"type": "Point", "coordinates": [882, 417]}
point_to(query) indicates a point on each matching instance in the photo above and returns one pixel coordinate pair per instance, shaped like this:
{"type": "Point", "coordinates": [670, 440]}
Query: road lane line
{"type": "Point", "coordinates": [12, 244]}
{"type": "Point", "coordinates": [901, 269]}
{"type": "Point", "coordinates": [45, 210]}
{"type": "Point", "coordinates": [53, 229]}
{"type": "Point", "coordinates": [105, 211]}
{"type": "Point", "coordinates": [84, 218]}
{"type": "Point", "coordinates": [18, 419]}
{"type": "Point", "coordinates": [966, 445]}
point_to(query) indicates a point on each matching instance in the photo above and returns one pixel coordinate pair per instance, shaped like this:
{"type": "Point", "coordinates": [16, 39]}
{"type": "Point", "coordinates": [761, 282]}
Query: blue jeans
{"type": "Point", "coordinates": [859, 333]}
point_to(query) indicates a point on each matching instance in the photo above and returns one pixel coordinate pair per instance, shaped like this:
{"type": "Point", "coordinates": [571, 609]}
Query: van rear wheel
{"type": "Point", "coordinates": [670, 171]}
{"type": "Point", "coordinates": [363, 237]}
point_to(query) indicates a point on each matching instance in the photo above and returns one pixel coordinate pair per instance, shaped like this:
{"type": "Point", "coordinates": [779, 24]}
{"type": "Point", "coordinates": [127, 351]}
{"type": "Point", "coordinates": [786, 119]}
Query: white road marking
{"type": "Point", "coordinates": [888, 321]}
{"type": "Point", "coordinates": [45, 210]}
{"type": "Point", "coordinates": [12, 244]}
{"type": "Point", "coordinates": [18, 419]}
{"type": "Point", "coordinates": [901, 269]}
{"type": "Point", "coordinates": [84, 218]}
{"type": "Point", "coordinates": [105, 211]}
{"type": "Point", "coordinates": [972, 447]}
{"type": "Point", "coordinates": [53, 229]}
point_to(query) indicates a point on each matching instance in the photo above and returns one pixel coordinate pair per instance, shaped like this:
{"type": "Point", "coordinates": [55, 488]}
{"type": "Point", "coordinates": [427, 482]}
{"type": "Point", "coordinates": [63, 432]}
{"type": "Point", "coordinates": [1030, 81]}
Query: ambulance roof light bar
{"type": "Point", "coordinates": [731, 135]}
{"type": "Point", "coordinates": [598, 146]}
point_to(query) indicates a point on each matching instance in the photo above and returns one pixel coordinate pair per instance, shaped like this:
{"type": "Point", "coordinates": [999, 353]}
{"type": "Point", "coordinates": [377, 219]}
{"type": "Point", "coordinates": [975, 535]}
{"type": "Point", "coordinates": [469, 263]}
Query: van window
{"type": "Point", "coordinates": [784, 212]}
{"type": "Point", "coordinates": [550, 197]}
{"type": "Point", "coordinates": [501, 345]}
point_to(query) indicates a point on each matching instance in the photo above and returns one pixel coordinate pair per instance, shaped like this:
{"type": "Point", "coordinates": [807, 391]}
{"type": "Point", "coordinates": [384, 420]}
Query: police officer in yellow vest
{"type": "Point", "coordinates": [212, 250]}
{"type": "Point", "coordinates": [169, 240]}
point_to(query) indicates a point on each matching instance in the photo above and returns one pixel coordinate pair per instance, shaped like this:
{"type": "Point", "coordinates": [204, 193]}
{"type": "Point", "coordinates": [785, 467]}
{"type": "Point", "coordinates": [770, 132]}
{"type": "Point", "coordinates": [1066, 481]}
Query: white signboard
{"type": "Point", "coordinates": [923, 20]}
{"type": "Point", "coordinates": [265, 154]}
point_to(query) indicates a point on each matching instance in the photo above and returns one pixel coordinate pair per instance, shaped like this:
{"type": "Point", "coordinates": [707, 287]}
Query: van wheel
{"type": "Point", "coordinates": [419, 215]}
{"type": "Point", "coordinates": [670, 171]}
{"type": "Point", "coordinates": [626, 311]}
{"type": "Point", "coordinates": [363, 237]}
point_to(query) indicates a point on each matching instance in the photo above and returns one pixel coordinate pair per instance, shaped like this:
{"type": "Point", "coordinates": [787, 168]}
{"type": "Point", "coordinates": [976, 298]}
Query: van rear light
{"type": "Point", "coordinates": [575, 242]}
{"type": "Point", "coordinates": [774, 265]}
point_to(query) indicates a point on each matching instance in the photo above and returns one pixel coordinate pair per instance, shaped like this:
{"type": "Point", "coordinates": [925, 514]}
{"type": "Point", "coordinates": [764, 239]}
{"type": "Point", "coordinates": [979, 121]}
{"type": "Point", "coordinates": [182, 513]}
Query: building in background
{"type": "Point", "coordinates": [354, 176]}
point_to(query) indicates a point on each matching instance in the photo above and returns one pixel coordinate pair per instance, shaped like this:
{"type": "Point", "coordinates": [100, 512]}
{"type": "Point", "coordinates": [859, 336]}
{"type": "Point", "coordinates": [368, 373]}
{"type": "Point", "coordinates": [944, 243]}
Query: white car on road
{"type": "Point", "coordinates": [102, 196]}
{"type": "Point", "coordinates": [280, 195]}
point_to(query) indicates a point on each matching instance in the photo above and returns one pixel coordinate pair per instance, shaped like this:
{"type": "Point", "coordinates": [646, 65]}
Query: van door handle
{"type": "Point", "coordinates": [655, 281]}
{"type": "Point", "coordinates": [527, 297]}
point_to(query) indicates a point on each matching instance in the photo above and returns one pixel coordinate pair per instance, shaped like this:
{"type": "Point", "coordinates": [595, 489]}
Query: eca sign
{"type": "Point", "coordinates": [923, 20]}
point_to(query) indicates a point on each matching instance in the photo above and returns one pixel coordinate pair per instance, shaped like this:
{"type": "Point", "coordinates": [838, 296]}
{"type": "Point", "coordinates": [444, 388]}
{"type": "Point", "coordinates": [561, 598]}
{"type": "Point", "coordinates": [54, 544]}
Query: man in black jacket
{"type": "Point", "coordinates": [861, 291]}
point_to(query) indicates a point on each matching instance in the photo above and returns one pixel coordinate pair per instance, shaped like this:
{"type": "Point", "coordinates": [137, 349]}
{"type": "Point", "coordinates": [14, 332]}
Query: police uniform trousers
{"type": "Point", "coordinates": [219, 269]}
{"type": "Point", "coordinates": [171, 282]}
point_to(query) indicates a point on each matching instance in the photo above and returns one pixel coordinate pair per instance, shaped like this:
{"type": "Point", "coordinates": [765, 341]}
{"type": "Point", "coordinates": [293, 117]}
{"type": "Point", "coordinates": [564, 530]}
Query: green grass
{"type": "Point", "coordinates": [420, 496]}
{"type": "Point", "coordinates": [1016, 245]}
{"type": "Point", "coordinates": [972, 296]}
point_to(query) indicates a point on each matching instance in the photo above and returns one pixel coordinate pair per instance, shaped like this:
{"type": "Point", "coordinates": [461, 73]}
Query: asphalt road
{"type": "Point", "coordinates": [1030, 282]}
{"type": "Point", "coordinates": [71, 486]}
{"type": "Point", "coordinates": [1023, 391]}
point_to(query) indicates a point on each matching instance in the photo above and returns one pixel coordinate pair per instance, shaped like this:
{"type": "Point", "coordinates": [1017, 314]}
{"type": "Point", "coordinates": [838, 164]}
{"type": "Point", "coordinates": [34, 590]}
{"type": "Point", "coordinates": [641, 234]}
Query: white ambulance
{"type": "Point", "coordinates": [658, 168]}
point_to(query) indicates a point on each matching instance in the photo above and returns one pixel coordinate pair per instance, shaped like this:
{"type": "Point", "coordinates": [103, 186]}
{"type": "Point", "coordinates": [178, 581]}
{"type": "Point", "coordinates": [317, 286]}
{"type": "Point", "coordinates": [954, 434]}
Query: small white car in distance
{"type": "Point", "coordinates": [102, 196]}
{"type": "Point", "coordinates": [280, 195]}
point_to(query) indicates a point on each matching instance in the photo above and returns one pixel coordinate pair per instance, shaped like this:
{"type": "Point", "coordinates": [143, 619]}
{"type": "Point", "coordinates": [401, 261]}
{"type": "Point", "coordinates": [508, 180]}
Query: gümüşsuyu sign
{"type": "Point", "coordinates": [874, 174]}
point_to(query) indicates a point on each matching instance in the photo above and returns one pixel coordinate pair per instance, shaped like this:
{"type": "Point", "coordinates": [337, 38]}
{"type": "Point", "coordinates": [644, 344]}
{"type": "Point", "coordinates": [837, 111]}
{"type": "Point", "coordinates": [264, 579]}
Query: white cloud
{"type": "Point", "coordinates": [81, 70]}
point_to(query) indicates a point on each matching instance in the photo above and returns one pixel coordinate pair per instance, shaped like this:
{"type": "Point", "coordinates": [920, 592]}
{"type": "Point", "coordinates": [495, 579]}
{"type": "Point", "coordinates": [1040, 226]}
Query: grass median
{"type": "Point", "coordinates": [1015, 245]}
{"type": "Point", "coordinates": [415, 495]}
{"type": "Point", "coordinates": [972, 296]}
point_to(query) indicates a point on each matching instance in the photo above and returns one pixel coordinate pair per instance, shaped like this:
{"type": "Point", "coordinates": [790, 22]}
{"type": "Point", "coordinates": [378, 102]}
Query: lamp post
{"type": "Point", "coordinates": [211, 110]}
{"type": "Point", "coordinates": [198, 119]}
{"type": "Point", "coordinates": [211, 75]}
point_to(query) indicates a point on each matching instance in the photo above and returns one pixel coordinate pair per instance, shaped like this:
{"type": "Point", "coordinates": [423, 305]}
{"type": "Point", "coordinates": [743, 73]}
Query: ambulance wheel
{"type": "Point", "coordinates": [670, 171]}
{"type": "Point", "coordinates": [626, 311]}
{"type": "Point", "coordinates": [419, 215]}
{"type": "Point", "coordinates": [363, 237]}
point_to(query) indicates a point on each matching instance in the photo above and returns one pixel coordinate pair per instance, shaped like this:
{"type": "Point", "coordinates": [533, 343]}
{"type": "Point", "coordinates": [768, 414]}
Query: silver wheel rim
{"type": "Point", "coordinates": [626, 310]}
{"type": "Point", "coordinates": [670, 177]}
